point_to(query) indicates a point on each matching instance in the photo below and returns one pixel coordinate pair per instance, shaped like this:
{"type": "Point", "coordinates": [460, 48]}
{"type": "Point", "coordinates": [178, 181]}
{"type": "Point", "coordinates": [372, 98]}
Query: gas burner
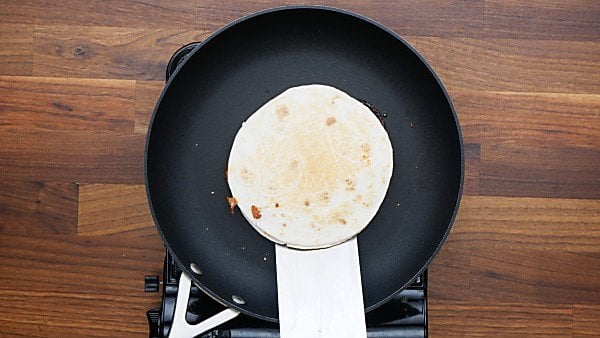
{"type": "Point", "coordinates": [405, 315]}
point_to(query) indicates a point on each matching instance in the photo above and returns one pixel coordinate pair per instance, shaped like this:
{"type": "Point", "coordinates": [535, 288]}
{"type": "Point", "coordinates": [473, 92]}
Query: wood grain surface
{"type": "Point", "coordinates": [79, 80]}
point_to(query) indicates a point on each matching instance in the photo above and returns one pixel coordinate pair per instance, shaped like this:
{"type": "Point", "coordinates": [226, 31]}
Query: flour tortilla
{"type": "Point", "coordinates": [311, 167]}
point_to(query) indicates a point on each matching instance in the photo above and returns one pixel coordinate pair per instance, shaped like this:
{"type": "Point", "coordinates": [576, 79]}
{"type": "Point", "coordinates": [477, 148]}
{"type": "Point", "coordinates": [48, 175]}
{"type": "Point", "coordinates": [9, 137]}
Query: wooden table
{"type": "Point", "coordinates": [78, 80]}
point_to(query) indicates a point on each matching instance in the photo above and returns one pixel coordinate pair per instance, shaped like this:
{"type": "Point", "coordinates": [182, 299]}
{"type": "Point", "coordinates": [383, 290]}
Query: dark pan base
{"type": "Point", "coordinates": [235, 72]}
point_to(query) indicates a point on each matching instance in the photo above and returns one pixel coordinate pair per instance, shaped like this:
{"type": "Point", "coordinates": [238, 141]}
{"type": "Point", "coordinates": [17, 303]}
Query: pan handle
{"type": "Point", "coordinates": [181, 328]}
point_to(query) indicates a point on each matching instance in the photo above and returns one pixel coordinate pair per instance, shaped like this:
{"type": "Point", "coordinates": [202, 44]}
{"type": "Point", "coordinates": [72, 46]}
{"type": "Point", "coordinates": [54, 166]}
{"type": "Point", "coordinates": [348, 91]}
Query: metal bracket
{"type": "Point", "coordinates": [181, 328]}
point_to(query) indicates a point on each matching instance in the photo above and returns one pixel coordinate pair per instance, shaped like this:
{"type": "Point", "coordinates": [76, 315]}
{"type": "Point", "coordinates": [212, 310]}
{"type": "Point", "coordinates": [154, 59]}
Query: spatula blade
{"type": "Point", "coordinates": [320, 292]}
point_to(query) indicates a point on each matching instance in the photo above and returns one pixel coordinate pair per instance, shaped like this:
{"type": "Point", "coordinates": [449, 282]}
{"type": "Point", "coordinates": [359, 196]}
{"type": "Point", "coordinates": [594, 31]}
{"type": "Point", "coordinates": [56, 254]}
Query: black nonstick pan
{"type": "Point", "coordinates": [244, 65]}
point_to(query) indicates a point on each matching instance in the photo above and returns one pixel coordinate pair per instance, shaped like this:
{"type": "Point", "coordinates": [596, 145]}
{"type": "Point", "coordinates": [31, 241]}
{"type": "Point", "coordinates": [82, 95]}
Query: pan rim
{"type": "Point", "coordinates": [230, 25]}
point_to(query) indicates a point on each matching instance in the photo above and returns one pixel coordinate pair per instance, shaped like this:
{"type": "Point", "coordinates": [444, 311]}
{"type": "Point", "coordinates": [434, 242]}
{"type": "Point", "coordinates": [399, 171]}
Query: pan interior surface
{"type": "Point", "coordinates": [234, 73]}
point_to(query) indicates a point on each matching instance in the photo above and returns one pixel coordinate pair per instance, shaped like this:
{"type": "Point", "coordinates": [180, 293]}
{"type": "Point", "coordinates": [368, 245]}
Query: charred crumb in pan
{"type": "Point", "coordinates": [232, 203]}
{"type": "Point", "coordinates": [255, 212]}
{"type": "Point", "coordinates": [375, 111]}
{"type": "Point", "coordinates": [412, 125]}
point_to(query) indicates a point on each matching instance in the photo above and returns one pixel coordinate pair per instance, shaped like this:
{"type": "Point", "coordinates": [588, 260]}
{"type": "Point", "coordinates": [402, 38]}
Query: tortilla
{"type": "Point", "coordinates": [310, 168]}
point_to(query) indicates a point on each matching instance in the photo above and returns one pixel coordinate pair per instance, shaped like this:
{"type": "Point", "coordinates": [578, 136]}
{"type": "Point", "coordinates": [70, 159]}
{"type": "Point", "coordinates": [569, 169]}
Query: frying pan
{"type": "Point", "coordinates": [247, 63]}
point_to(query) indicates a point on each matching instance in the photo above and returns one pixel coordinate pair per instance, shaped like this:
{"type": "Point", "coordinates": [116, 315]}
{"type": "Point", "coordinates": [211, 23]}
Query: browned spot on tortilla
{"type": "Point", "coordinates": [366, 152]}
{"type": "Point", "coordinates": [255, 212]}
{"type": "Point", "coordinates": [342, 221]}
{"type": "Point", "coordinates": [247, 176]}
{"type": "Point", "coordinates": [349, 184]}
{"type": "Point", "coordinates": [330, 121]}
{"type": "Point", "coordinates": [232, 203]}
{"type": "Point", "coordinates": [335, 98]}
{"type": "Point", "coordinates": [284, 224]}
{"type": "Point", "coordinates": [276, 205]}
{"type": "Point", "coordinates": [324, 197]}
{"type": "Point", "coordinates": [282, 112]}
{"type": "Point", "coordinates": [307, 202]}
